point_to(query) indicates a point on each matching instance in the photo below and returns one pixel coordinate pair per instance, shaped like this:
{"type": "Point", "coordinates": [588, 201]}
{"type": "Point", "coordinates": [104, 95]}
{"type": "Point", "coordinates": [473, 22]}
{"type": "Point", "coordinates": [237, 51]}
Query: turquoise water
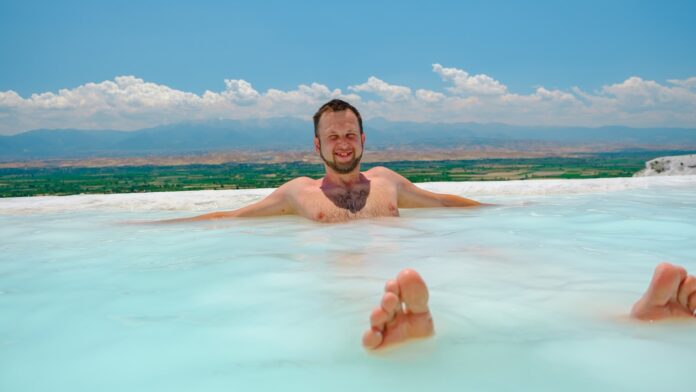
{"type": "Point", "coordinates": [530, 294]}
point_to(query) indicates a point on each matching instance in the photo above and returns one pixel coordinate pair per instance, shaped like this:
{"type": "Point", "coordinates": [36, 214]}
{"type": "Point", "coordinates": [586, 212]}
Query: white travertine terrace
{"type": "Point", "coordinates": [212, 200]}
{"type": "Point", "coordinates": [669, 166]}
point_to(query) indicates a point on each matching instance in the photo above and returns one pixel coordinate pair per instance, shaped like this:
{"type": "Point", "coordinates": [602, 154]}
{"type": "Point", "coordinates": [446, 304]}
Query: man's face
{"type": "Point", "coordinates": [340, 143]}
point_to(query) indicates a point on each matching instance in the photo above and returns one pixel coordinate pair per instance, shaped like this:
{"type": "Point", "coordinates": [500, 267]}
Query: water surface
{"type": "Point", "coordinates": [530, 294]}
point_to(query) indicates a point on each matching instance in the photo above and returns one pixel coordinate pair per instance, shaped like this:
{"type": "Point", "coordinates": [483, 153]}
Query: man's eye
{"type": "Point", "coordinates": [333, 137]}
{"type": "Point", "coordinates": [351, 136]}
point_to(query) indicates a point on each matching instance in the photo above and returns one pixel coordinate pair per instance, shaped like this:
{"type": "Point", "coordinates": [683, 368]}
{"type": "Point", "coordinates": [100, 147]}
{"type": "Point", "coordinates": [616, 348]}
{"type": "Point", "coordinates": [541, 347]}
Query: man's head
{"type": "Point", "coordinates": [335, 105]}
{"type": "Point", "coordinates": [338, 135]}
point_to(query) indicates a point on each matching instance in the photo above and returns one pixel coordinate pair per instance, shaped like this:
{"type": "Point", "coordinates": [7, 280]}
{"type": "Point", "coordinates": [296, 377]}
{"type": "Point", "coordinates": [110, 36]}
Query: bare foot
{"type": "Point", "coordinates": [403, 313]}
{"type": "Point", "coordinates": [672, 293]}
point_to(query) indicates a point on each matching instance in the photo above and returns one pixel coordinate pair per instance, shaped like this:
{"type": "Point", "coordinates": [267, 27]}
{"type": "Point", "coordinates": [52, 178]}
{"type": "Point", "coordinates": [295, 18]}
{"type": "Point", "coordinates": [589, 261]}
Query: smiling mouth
{"type": "Point", "coordinates": [344, 154]}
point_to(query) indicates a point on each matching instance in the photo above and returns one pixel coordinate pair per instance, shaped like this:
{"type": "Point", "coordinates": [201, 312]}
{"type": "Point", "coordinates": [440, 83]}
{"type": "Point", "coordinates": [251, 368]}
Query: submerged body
{"type": "Point", "coordinates": [374, 195]}
{"type": "Point", "coordinates": [378, 192]}
{"type": "Point", "coordinates": [345, 193]}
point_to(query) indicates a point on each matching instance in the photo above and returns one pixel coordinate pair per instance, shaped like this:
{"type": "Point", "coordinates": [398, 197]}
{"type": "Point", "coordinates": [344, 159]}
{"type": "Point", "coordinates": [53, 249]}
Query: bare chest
{"type": "Point", "coordinates": [320, 206]}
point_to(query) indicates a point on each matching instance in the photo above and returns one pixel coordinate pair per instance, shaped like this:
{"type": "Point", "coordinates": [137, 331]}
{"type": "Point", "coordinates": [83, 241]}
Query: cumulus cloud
{"type": "Point", "coordinates": [304, 94]}
{"type": "Point", "coordinates": [9, 99]}
{"type": "Point", "coordinates": [465, 84]}
{"type": "Point", "coordinates": [128, 102]}
{"type": "Point", "coordinates": [240, 91]}
{"type": "Point", "coordinates": [389, 92]}
{"type": "Point", "coordinates": [429, 95]}
{"type": "Point", "coordinates": [636, 94]}
{"type": "Point", "coordinates": [689, 83]}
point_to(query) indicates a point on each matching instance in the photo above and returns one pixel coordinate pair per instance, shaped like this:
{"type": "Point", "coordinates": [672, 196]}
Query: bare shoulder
{"type": "Point", "coordinates": [297, 184]}
{"type": "Point", "coordinates": [381, 171]}
{"type": "Point", "coordinates": [388, 175]}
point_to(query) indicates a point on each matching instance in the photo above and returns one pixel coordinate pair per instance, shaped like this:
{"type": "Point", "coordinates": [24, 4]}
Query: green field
{"type": "Point", "coordinates": [68, 181]}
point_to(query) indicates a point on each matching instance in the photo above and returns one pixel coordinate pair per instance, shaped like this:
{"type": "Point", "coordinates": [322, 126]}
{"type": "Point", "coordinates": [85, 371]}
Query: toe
{"type": "Point", "coordinates": [372, 339]}
{"type": "Point", "coordinates": [414, 292]}
{"type": "Point", "coordinates": [378, 319]}
{"type": "Point", "coordinates": [390, 304]}
{"type": "Point", "coordinates": [687, 288]}
{"type": "Point", "coordinates": [392, 286]}
{"type": "Point", "coordinates": [665, 284]}
{"type": "Point", "coordinates": [692, 303]}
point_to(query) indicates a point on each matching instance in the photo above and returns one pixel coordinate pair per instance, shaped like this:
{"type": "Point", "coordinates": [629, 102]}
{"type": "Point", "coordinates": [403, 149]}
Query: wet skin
{"type": "Point", "coordinates": [403, 313]}
{"type": "Point", "coordinates": [671, 294]}
{"type": "Point", "coordinates": [352, 199]}
{"type": "Point", "coordinates": [344, 193]}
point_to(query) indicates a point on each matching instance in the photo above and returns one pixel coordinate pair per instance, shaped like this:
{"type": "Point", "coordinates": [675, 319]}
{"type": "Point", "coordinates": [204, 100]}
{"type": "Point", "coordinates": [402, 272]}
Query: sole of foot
{"type": "Point", "coordinates": [403, 313]}
{"type": "Point", "coordinates": [671, 294]}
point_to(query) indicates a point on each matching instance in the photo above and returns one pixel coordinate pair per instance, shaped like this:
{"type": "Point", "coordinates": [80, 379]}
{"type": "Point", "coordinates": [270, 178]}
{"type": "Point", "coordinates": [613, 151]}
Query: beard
{"type": "Point", "coordinates": [341, 168]}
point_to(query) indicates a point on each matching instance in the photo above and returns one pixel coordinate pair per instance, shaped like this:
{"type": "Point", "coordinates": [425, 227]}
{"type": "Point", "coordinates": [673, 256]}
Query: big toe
{"type": "Point", "coordinates": [414, 292]}
{"type": "Point", "coordinates": [665, 283]}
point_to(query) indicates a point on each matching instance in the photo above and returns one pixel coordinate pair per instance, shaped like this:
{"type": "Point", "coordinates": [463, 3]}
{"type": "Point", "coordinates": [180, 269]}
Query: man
{"type": "Point", "coordinates": [345, 193]}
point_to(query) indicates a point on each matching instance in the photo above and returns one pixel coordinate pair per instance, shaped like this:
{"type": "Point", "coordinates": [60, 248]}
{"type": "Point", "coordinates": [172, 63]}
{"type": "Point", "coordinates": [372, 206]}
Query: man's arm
{"type": "Point", "coordinates": [411, 196]}
{"type": "Point", "coordinates": [274, 204]}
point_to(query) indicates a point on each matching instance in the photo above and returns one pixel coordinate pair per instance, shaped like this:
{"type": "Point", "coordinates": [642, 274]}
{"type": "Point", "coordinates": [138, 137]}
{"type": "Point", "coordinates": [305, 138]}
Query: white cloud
{"type": "Point", "coordinates": [429, 95]}
{"type": "Point", "coordinates": [689, 83]}
{"type": "Point", "coordinates": [389, 92]}
{"type": "Point", "coordinates": [464, 84]}
{"type": "Point", "coordinates": [9, 99]}
{"type": "Point", "coordinates": [239, 90]}
{"type": "Point", "coordinates": [554, 95]}
{"type": "Point", "coordinates": [304, 94]}
{"type": "Point", "coordinates": [128, 102]}
{"type": "Point", "coordinates": [636, 94]}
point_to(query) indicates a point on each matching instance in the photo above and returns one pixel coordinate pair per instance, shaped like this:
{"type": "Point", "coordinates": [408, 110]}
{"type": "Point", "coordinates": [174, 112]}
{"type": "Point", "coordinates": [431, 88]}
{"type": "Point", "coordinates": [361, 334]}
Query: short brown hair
{"type": "Point", "coordinates": [335, 105]}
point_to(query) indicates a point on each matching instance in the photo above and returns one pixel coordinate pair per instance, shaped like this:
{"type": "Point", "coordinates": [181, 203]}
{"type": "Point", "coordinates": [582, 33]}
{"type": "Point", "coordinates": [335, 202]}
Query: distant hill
{"type": "Point", "coordinates": [296, 135]}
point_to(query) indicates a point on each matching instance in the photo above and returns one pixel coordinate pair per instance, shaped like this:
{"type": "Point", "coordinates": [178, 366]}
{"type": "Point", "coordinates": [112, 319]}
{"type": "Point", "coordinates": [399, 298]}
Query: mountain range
{"type": "Point", "coordinates": [278, 134]}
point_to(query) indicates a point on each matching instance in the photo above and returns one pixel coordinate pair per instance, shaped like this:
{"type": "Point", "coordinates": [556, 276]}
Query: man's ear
{"type": "Point", "coordinates": [317, 146]}
{"type": "Point", "coordinates": [362, 137]}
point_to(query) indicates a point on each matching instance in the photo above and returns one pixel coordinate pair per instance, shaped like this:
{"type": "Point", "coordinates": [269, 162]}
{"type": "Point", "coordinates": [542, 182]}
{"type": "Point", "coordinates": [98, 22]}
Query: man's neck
{"type": "Point", "coordinates": [346, 180]}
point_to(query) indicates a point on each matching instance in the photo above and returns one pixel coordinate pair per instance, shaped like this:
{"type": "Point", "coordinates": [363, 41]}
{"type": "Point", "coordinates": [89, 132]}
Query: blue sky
{"type": "Point", "coordinates": [192, 47]}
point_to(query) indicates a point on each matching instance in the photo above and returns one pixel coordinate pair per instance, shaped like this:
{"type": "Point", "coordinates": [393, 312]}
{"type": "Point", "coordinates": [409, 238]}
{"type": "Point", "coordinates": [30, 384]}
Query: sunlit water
{"type": "Point", "coordinates": [532, 294]}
